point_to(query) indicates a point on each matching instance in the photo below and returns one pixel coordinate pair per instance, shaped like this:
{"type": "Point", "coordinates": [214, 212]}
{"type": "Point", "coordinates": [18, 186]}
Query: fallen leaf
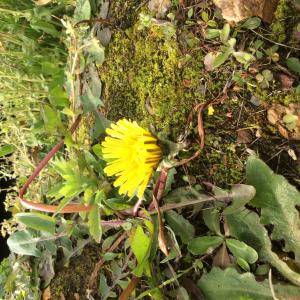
{"type": "Point", "coordinates": [286, 81]}
{"type": "Point", "coordinates": [286, 119]}
{"type": "Point", "coordinates": [160, 7]}
{"type": "Point", "coordinates": [222, 259]}
{"type": "Point", "coordinates": [46, 294]}
{"type": "Point", "coordinates": [292, 154]}
{"type": "Point", "coordinates": [244, 136]}
{"type": "Point", "coordinates": [208, 61]}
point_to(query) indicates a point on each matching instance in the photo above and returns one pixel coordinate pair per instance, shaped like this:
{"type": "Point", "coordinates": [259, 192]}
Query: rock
{"type": "Point", "coordinates": [238, 10]}
{"type": "Point", "coordinates": [159, 7]}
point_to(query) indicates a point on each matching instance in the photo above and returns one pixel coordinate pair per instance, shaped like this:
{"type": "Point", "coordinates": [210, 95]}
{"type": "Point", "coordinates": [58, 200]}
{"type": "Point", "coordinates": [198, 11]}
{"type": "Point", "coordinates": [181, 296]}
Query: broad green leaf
{"type": "Point", "coordinates": [251, 23]}
{"type": "Point", "coordinates": [243, 264]}
{"type": "Point", "coordinates": [6, 150]}
{"type": "Point", "coordinates": [94, 223]}
{"type": "Point", "coordinates": [97, 149]}
{"type": "Point", "coordinates": [140, 245]}
{"type": "Point", "coordinates": [183, 194]}
{"type": "Point", "coordinates": [58, 97]}
{"type": "Point", "coordinates": [101, 123]}
{"type": "Point", "coordinates": [95, 50]}
{"type": "Point", "coordinates": [51, 117]}
{"type": "Point", "coordinates": [243, 57]}
{"type": "Point", "coordinates": [293, 64]}
{"type": "Point", "coordinates": [211, 219]}
{"type": "Point", "coordinates": [277, 199]}
{"type": "Point", "coordinates": [224, 35]}
{"type": "Point", "coordinates": [82, 11]}
{"type": "Point", "coordinates": [201, 245]}
{"type": "Point", "coordinates": [181, 226]}
{"type": "Point", "coordinates": [242, 250]}
{"type": "Point", "coordinates": [89, 101]}
{"type": "Point", "coordinates": [37, 221]}
{"type": "Point", "coordinates": [245, 226]}
{"type": "Point", "coordinates": [220, 59]}
{"type": "Point", "coordinates": [229, 284]}
{"type": "Point", "coordinates": [23, 243]}
{"type": "Point", "coordinates": [241, 195]}
{"type": "Point", "coordinates": [212, 33]}
{"type": "Point", "coordinates": [170, 180]}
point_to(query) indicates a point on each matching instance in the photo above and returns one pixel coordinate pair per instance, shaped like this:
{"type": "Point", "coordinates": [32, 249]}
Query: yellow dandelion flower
{"type": "Point", "coordinates": [132, 154]}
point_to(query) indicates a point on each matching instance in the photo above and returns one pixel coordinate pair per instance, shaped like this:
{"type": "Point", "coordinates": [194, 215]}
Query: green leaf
{"type": "Point", "coordinates": [211, 219]}
{"type": "Point", "coordinates": [212, 33]}
{"type": "Point", "coordinates": [224, 35]}
{"type": "Point", "coordinates": [251, 23]}
{"type": "Point", "coordinates": [23, 243]}
{"type": "Point", "coordinates": [95, 50]}
{"type": "Point", "coordinates": [101, 124]}
{"type": "Point", "coordinates": [293, 64]}
{"type": "Point", "coordinates": [140, 245]}
{"type": "Point", "coordinates": [229, 284]}
{"type": "Point", "coordinates": [277, 199]}
{"type": "Point", "coordinates": [58, 97]}
{"type": "Point", "coordinates": [220, 59]}
{"type": "Point", "coordinates": [243, 264]}
{"type": "Point", "coordinates": [243, 57]}
{"type": "Point", "coordinates": [181, 226]}
{"type": "Point", "coordinates": [44, 26]}
{"type": "Point", "coordinates": [241, 195]}
{"type": "Point", "coordinates": [82, 11]}
{"type": "Point", "coordinates": [6, 150]}
{"type": "Point", "coordinates": [201, 245]}
{"type": "Point", "coordinates": [242, 250]}
{"type": "Point", "coordinates": [89, 101]}
{"type": "Point", "coordinates": [245, 226]}
{"type": "Point", "coordinates": [37, 221]}
{"type": "Point", "coordinates": [94, 223]}
{"type": "Point", "coordinates": [51, 117]}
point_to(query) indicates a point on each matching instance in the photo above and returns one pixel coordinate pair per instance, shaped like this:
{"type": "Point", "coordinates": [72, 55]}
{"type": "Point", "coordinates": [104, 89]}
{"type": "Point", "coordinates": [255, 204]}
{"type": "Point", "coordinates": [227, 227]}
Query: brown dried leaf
{"type": "Point", "coordinates": [286, 81]}
{"type": "Point", "coordinates": [277, 114]}
{"type": "Point", "coordinates": [244, 136]}
{"type": "Point", "coordinates": [222, 259]}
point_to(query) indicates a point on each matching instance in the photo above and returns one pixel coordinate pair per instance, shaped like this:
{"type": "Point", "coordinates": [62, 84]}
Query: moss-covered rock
{"type": "Point", "coordinates": [284, 20]}
{"type": "Point", "coordinates": [148, 78]}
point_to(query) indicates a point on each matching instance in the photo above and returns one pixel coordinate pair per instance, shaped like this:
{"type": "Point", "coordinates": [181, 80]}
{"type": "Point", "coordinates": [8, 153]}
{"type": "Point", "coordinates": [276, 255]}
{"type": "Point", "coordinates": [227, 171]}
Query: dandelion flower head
{"type": "Point", "coordinates": [132, 154]}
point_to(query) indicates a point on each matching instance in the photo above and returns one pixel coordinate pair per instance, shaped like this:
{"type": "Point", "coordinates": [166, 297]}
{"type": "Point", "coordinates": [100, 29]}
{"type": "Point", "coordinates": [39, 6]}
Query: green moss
{"type": "Point", "coordinates": [145, 79]}
{"type": "Point", "coordinates": [124, 13]}
{"type": "Point", "coordinates": [283, 21]}
{"type": "Point", "coordinates": [74, 278]}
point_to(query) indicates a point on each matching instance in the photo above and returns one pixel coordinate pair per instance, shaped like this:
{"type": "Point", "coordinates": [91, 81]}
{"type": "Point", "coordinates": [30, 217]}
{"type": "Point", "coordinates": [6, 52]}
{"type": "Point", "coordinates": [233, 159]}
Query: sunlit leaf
{"type": "Point", "coordinates": [37, 221]}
